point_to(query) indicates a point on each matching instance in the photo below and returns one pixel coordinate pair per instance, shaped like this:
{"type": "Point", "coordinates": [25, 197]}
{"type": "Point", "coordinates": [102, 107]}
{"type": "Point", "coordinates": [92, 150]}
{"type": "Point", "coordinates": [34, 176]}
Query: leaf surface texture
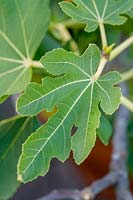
{"type": "Point", "coordinates": [77, 98]}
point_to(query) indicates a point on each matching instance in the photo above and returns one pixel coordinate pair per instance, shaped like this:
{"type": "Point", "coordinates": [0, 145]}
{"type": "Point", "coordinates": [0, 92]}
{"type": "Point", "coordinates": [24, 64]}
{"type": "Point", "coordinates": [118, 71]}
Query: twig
{"type": "Point", "coordinates": [63, 194]}
{"type": "Point", "coordinates": [100, 185]}
{"type": "Point", "coordinates": [119, 156]}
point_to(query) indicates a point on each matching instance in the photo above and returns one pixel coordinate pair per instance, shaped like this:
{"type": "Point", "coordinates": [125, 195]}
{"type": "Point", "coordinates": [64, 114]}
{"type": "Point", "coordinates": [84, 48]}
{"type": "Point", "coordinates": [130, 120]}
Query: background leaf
{"type": "Point", "coordinates": [23, 25]}
{"type": "Point", "coordinates": [94, 12]}
{"type": "Point", "coordinates": [13, 133]}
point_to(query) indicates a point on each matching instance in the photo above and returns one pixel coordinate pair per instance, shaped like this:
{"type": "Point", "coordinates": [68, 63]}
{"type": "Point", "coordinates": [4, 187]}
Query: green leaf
{"type": "Point", "coordinates": [77, 97]}
{"type": "Point", "coordinates": [13, 133]}
{"type": "Point", "coordinates": [23, 24]}
{"type": "Point", "coordinates": [104, 131]}
{"type": "Point", "coordinates": [95, 12]}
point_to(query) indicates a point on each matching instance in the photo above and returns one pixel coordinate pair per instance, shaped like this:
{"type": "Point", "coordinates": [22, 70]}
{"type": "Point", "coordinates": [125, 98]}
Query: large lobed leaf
{"type": "Point", "coordinates": [23, 24]}
{"type": "Point", "coordinates": [13, 133]}
{"type": "Point", "coordinates": [95, 12]}
{"type": "Point", "coordinates": [77, 97]}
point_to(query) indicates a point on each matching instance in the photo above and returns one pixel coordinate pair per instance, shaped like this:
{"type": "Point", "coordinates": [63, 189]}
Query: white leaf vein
{"type": "Point", "coordinates": [41, 149]}
{"type": "Point", "coordinates": [58, 88]}
{"type": "Point", "coordinates": [70, 63]}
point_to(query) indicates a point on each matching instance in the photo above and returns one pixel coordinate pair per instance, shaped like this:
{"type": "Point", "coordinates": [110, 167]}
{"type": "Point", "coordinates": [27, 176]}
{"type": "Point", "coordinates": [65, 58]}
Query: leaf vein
{"type": "Point", "coordinates": [56, 128]}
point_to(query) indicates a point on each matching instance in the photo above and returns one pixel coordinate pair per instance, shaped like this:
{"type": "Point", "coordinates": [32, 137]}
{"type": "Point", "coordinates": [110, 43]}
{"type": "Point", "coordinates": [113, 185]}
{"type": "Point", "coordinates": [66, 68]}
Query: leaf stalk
{"type": "Point", "coordinates": [32, 63]}
{"type": "Point", "coordinates": [103, 35]}
{"type": "Point", "coordinates": [60, 32]}
{"type": "Point", "coordinates": [100, 68]}
{"type": "Point", "coordinates": [118, 50]}
{"type": "Point", "coordinates": [127, 75]}
{"type": "Point", "coordinates": [36, 64]}
{"type": "Point", "coordinates": [127, 103]}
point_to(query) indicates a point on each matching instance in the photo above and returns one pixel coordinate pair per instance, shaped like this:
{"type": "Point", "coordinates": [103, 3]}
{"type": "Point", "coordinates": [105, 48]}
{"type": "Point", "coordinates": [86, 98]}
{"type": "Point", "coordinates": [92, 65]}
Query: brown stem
{"type": "Point", "coordinates": [98, 186]}
{"type": "Point", "coordinates": [119, 156]}
{"type": "Point", "coordinates": [63, 194]}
